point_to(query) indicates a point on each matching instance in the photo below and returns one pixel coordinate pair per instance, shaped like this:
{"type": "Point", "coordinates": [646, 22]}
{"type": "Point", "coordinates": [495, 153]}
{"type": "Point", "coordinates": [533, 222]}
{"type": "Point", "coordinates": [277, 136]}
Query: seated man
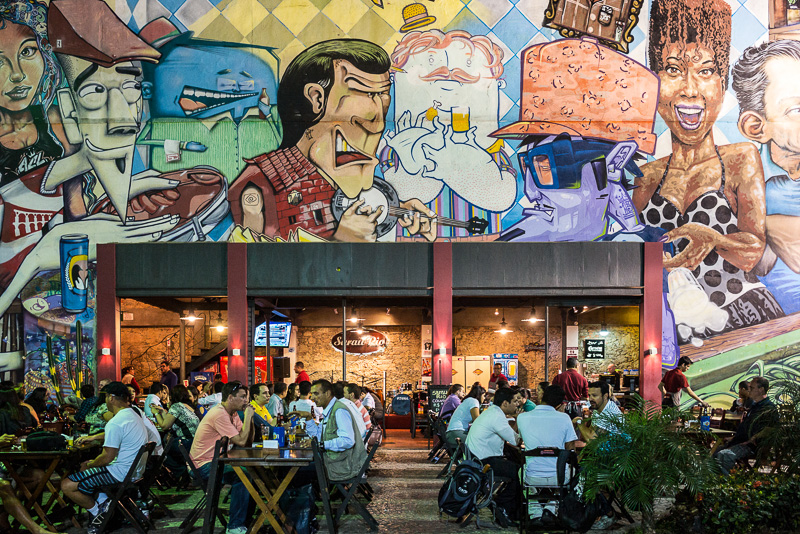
{"type": "Point", "coordinates": [304, 403]}
{"type": "Point", "coordinates": [486, 440]}
{"type": "Point", "coordinates": [223, 421]}
{"type": "Point", "coordinates": [275, 404]}
{"type": "Point", "coordinates": [11, 504]}
{"type": "Point", "coordinates": [347, 399]}
{"type": "Point", "coordinates": [125, 434]}
{"type": "Point", "coordinates": [605, 412]}
{"type": "Point", "coordinates": [546, 426]}
{"type": "Point", "coordinates": [762, 415]}
{"type": "Point", "coordinates": [337, 433]}
{"type": "Point", "coordinates": [89, 401]}
{"type": "Point", "coordinates": [213, 396]}
{"type": "Point", "coordinates": [157, 397]}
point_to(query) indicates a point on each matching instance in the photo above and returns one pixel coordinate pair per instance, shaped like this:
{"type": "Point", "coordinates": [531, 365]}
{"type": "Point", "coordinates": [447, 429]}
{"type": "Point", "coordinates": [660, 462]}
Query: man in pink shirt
{"type": "Point", "coordinates": [223, 421]}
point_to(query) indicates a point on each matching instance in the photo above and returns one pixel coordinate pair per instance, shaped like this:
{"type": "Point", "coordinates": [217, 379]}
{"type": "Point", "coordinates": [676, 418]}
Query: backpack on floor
{"type": "Point", "coordinates": [467, 491]}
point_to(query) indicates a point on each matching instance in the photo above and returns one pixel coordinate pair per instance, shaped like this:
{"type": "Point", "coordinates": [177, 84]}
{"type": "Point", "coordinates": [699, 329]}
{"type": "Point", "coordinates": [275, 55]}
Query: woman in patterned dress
{"type": "Point", "coordinates": [709, 199]}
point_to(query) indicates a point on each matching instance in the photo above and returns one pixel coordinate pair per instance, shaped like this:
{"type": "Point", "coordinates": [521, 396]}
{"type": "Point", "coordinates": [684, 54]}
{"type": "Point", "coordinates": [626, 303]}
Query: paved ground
{"type": "Point", "coordinates": [405, 501]}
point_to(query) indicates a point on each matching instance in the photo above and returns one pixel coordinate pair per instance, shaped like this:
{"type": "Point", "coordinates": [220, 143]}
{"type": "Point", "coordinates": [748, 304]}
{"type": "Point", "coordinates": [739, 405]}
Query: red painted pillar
{"type": "Point", "coordinates": [237, 312]}
{"type": "Point", "coordinates": [650, 323]}
{"type": "Point", "coordinates": [107, 314]}
{"type": "Point", "coordinates": [442, 357]}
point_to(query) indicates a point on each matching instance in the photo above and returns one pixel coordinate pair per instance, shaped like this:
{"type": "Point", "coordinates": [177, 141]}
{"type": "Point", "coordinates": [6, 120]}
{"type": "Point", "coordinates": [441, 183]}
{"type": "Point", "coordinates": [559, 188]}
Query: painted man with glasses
{"type": "Point", "coordinates": [222, 421]}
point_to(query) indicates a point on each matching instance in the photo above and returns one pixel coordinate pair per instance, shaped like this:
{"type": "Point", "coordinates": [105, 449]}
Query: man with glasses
{"type": "Point", "coordinates": [222, 421]}
{"type": "Point", "coordinates": [125, 434]}
{"type": "Point", "coordinates": [744, 444]}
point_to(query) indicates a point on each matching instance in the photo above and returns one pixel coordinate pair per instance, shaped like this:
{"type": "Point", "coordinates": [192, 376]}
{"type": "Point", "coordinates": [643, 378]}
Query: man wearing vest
{"type": "Point", "coordinates": [337, 433]}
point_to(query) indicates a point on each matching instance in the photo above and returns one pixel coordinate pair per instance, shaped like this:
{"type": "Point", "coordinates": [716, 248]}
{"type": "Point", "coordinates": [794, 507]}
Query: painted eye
{"type": "Point", "coordinates": [469, 63]}
{"type": "Point", "coordinates": [430, 60]}
{"type": "Point", "coordinates": [92, 95]}
{"type": "Point", "coordinates": [28, 52]}
{"type": "Point", "coordinates": [132, 91]}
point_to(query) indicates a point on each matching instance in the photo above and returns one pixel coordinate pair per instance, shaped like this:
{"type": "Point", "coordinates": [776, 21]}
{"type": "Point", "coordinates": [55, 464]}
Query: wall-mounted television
{"type": "Point", "coordinates": [280, 333]}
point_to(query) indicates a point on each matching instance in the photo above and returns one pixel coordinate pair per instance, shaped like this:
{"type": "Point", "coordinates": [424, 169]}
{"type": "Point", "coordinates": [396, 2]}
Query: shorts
{"type": "Point", "coordinates": [91, 480]}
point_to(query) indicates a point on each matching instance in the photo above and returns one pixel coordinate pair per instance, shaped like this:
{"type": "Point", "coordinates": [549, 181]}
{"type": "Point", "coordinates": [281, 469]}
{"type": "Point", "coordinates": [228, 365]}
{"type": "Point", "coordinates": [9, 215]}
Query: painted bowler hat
{"type": "Point", "coordinates": [415, 16]}
{"type": "Point", "coordinates": [580, 87]}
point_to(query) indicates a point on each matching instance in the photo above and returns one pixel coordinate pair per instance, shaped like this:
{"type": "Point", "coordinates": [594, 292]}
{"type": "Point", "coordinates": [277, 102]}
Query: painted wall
{"type": "Point", "coordinates": [373, 120]}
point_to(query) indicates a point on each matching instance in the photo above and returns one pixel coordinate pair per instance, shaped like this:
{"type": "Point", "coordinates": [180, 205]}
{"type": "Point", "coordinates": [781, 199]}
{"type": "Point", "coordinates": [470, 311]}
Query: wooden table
{"type": "Point", "coordinates": [13, 459]}
{"type": "Point", "coordinates": [269, 486]}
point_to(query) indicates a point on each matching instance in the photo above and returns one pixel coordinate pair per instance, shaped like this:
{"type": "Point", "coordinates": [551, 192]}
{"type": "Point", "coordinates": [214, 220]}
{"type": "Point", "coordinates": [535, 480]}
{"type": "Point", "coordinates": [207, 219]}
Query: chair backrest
{"type": "Point", "coordinates": [319, 464]}
{"type": "Point", "coordinates": [555, 453]}
{"type": "Point", "coordinates": [144, 451]}
{"type": "Point", "coordinates": [198, 481]}
{"type": "Point", "coordinates": [155, 464]}
{"type": "Point", "coordinates": [401, 404]}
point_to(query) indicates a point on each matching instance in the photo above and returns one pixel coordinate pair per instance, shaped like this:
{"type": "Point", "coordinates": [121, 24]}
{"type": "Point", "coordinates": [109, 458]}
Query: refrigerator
{"type": "Point", "coordinates": [470, 369]}
{"type": "Point", "coordinates": [510, 363]}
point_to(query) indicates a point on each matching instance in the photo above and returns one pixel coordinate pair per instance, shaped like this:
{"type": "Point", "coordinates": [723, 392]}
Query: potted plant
{"type": "Point", "coordinates": [650, 454]}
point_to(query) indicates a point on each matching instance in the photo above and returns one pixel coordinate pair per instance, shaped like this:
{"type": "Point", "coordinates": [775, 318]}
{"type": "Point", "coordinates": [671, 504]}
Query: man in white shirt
{"type": "Point", "coordinates": [367, 400]}
{"type": "Point", "coordinates": [209, 401]}
{"type": "Point", "coordinates": [357, 417]}
{"type": "Point", "coordinates": [546, 426]}
{"type": "Point", "coordinates": [486, 439]}
{"type": "Point", "coordinates": [158, 395]}
{"type": "Point", "coordinates": [125, 434]}
{"type": "Point", "coordinates": [352, 392]}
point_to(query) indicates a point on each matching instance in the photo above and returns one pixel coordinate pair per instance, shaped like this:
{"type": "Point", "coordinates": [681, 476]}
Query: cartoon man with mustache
{"type": "Point", "coordinates": [332, 101]}
{"type": "Point", "coordinates": [447, 91]}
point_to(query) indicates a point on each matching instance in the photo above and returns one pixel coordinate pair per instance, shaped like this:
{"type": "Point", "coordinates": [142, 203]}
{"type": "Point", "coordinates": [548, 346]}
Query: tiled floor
{"type": "Point", "coordinates": [406, 490]}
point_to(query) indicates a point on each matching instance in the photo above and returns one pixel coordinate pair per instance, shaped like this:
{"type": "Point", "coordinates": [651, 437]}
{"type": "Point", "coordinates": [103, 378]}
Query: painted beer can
{"type": "Point", "coordinates": [74, 254]}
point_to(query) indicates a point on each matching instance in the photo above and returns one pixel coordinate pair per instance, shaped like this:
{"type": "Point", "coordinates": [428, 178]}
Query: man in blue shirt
{"type": "Point", "coordinates": [168, 377]}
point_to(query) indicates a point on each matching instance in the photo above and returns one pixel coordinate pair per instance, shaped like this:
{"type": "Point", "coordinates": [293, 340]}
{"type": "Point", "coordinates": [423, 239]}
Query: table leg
{"type": "Point", "coordinates": [31, 498]}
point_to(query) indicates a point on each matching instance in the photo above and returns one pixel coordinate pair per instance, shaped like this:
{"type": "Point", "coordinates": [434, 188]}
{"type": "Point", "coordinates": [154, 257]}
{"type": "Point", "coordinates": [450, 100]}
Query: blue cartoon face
{"type": "Point", "coordinates": [200, 78]}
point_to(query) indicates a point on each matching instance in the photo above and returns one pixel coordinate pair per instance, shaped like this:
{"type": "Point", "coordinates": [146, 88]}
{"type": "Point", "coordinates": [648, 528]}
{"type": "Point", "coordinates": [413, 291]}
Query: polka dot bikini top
{"type": "Point", "coordinates": [722, 280]}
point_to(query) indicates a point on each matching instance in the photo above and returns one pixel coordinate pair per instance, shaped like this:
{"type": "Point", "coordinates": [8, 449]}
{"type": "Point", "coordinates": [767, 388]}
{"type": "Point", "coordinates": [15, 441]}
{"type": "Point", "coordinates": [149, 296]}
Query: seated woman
{"type": "Point", "coordinates": [453, 400]}
{"type": "Point", "coordinates": [37, 399]}
{"type": "Point", "coordinates": [182, 419]}
{"type": "Point", "coordinates": [14, 418]}
{"type": "Point", "coordinates": [465, 414]}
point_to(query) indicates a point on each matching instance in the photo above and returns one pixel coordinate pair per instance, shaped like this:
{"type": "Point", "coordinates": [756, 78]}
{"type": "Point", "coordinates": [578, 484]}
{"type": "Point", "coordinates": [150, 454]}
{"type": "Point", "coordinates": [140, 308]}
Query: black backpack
{"type": "Point", "coordinates": [467, 491]}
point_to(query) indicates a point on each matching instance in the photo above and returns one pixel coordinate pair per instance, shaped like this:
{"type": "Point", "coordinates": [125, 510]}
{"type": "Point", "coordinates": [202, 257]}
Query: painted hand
{"type": "Point", "coordinates": [358, 223]}
{"type": "Point", "coordinates": [702, 241]}
{"type": "Point", "coordinates": [423, 222]}
{"type": "Point", "coordinates": [409, 140]}
{"type": "Point", "coordinates": [149, 180]}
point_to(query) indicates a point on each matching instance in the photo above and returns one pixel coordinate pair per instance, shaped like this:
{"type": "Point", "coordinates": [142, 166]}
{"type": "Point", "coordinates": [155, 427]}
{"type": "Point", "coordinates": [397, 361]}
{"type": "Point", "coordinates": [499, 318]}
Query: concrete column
{"type": "Point", "coordinates": [442, 360]}
{"type": "Point", "coordinates": [650, 323]}
{"type": "Point", "coordinates": [237, 312]}
{"type": "Point", "coordinates": [107, 314]}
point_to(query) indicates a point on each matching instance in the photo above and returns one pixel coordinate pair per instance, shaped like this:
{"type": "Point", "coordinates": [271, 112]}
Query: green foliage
{"type": "Point", "coordinates": [781, 443]}
{"type": "Point", "coordinates": [650, 455]}
{"type": "Point", "coordinates": [743, 501]}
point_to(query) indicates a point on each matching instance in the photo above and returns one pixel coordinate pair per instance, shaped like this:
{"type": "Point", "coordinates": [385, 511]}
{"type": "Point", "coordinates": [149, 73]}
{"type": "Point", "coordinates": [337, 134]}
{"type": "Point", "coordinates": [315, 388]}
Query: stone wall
{"type": "Point", "coordinates": [621, 347]}
{"type": "Point", "coordinates": [401, 359]}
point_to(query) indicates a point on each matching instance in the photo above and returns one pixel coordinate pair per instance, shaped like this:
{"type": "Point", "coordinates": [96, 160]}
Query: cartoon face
{"type": "Point", "coordinates": [566, 195]}
{"type": "Point", "coordinates": [21, 66]}
{"type": "Point", "coordinates": [782, 103]}
{"type": "Point", "coordinates": [199, 79]}
{"type": "Point", "coordinates": [691, 92]}
{"type": "Point", "coordinates": [455, 76]}
{"type": "Point", "coordinates": [343, 143]}
{"type": "Point", "coordinates": [108, 104]}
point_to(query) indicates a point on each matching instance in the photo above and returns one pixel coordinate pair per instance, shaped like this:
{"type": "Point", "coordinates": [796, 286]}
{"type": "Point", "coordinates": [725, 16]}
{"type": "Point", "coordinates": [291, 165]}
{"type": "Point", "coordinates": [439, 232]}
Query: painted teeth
{"type": "Point", "coordinates": [690, 111]}
{"type": "Point", "coordinates": [342, 146]}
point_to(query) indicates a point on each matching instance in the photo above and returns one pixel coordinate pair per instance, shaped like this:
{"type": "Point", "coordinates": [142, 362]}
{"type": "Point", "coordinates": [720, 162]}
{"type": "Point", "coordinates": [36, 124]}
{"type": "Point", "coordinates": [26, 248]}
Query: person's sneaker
{"type": "Point", "coordinates": [97, 521]}
{"type": "Point", "coordinates": [237, 530]}
{"type": "Point", "coordinates": [603, 523]}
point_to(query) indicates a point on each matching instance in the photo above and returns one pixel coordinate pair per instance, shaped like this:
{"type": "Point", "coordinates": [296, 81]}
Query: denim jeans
{"type": "Point", "coordinates": [241, 503]}
{"type": "Point", "coordinates": [726, 458]}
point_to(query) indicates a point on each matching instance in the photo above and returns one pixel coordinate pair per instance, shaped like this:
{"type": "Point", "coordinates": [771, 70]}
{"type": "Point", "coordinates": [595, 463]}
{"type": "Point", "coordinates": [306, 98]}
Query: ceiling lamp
{"type": "Point", "coordinates": [355, 318]}
{"type": "Point", "coordinates": [603, 325]}
{"type": "Point", "coordinates": [497, 311]}
{"type": "Point", "coordinates": [532, 317]}
{"type": "Point", "coordinates": [191, 317]}
{"type": "Point", "coordinates": [220, 327]}
{"type": "Point", "coordinates": [503, 325]}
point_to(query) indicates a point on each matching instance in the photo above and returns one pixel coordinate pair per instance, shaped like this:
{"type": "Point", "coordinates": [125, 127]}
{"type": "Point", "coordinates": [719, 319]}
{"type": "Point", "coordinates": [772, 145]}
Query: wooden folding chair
{"type": "Point", "coordinates": [348, 489]}
{"type": "Point", "coordinates": [214, 486]}
{"type": "Point", "coordinates": [188, 524]}
{"type": "Point", "coordinates": [155, 465]}
{"type": "Point", "coordinates": [120, 498]}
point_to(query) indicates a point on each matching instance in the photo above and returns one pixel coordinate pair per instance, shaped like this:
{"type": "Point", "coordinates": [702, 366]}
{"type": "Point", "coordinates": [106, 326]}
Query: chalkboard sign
{"type": "Point", "coordinates": [436, 397]}
{"type": "Point", "coordinates": [595, 349]}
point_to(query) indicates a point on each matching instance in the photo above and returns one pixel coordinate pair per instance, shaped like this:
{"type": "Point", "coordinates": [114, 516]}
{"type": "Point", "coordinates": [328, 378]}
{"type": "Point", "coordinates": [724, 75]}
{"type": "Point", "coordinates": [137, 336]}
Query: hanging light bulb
{"type": "Point", "coordinates": [496, 311]}
{"type": "Point", "coordinates": [503, 325]}
{"type": "Point", "coordinates": [191, 317]}
{"type": "Point", "coordinates": [220, 327]}
{"type": "Point", "coordinates": [354, 318]}
{"type": "Point", "coordinates": [532, 316]}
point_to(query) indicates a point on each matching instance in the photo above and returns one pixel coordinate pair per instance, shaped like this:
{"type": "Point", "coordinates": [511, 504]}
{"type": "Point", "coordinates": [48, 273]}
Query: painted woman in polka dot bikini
{"type": "Point", "coordinates": [709, 199]}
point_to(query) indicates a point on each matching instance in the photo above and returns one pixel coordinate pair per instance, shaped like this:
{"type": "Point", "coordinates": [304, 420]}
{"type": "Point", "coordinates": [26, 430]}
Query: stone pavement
{"type": "Point", "coordinates": [406, 490]}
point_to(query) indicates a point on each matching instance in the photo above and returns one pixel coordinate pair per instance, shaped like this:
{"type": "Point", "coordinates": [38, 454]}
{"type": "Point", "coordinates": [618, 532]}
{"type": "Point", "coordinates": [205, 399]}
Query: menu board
{"type": "Point", "coordinates": [436, 397]}
{"type": "Point", "coordinates": [595, 349]}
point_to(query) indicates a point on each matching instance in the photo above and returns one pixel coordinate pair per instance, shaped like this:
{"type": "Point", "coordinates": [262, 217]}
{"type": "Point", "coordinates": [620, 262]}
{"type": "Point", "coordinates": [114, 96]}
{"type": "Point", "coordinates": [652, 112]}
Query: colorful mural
{"type": "Point", "coordinates": [675, 121]}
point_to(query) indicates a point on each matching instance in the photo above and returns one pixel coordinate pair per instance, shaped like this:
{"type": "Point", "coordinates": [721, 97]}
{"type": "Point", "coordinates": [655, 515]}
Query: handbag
{"type": "Point", "coordinates": [573, 512]}
{"type": "Point", "coordinates": [44, 440]}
